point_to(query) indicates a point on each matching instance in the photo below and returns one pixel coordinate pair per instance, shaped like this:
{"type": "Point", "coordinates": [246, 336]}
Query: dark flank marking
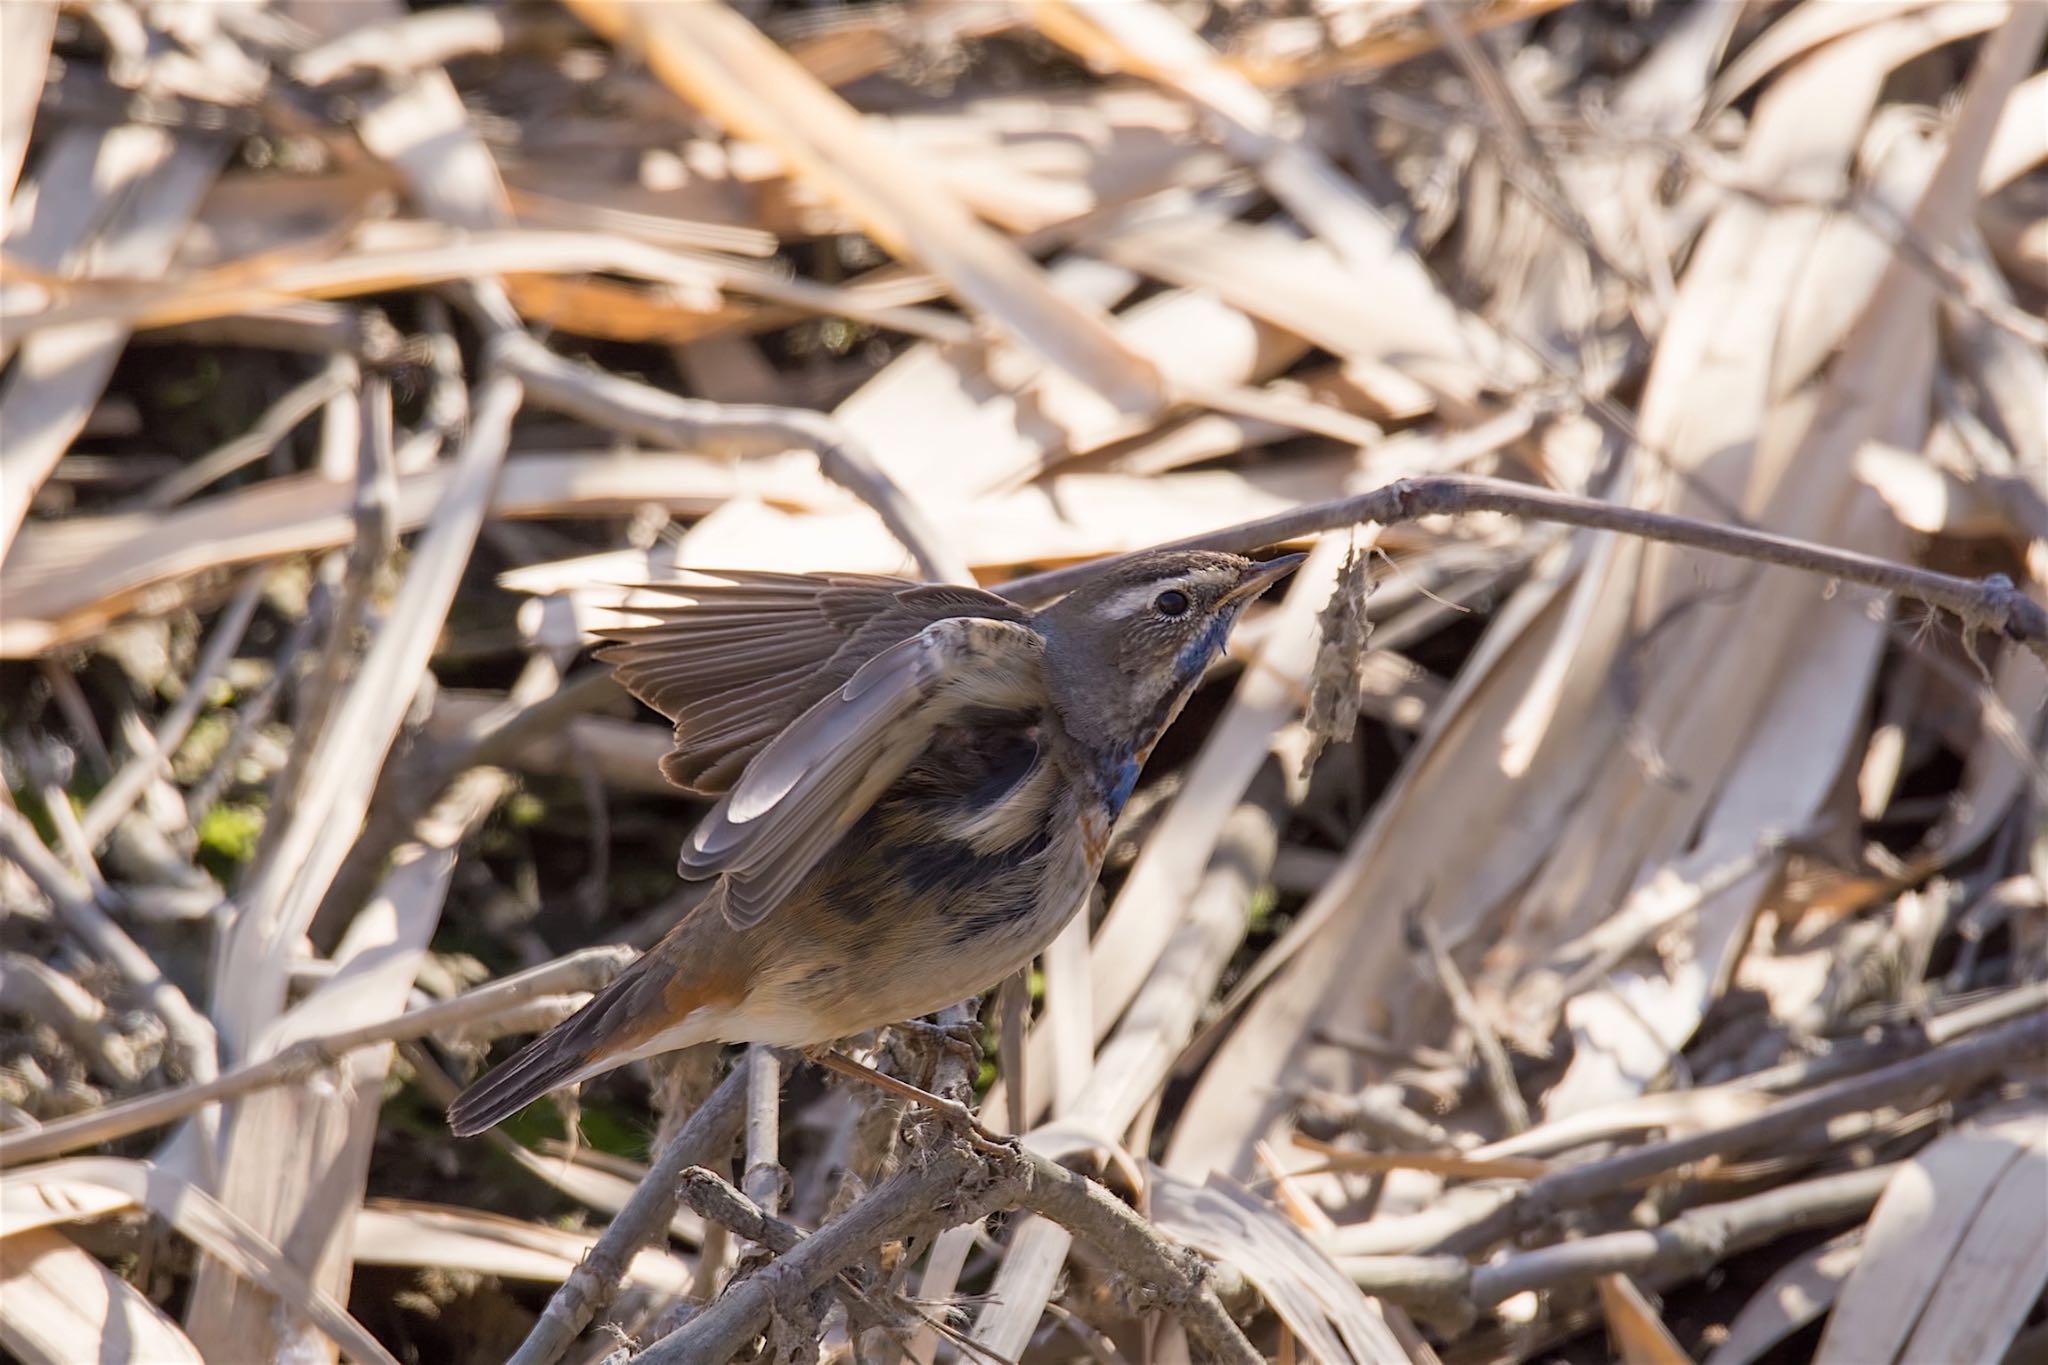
{"type": "Point", "coordinates": [849, 884]}
{"type": "Point", "coordinates": [1006, 761]}
{"type": "Point", "coordinates": [949, 868]}
{"type": "Point", "coordinates": [971, 891]}
{"type": "Point", "coordinates": [846, 887]}
{"type": "Point", "coordinates": [971, 764]}
{"type": "Point", "coordinates": [882, 863]}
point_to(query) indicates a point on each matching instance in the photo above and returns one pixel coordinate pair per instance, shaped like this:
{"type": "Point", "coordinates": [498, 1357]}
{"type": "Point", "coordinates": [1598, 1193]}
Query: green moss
{"type": "Point", "coordinates": [227, 837]}
{"type": "Point", "coordinates": [535, 1124]}
{"type": "Point", "coordinates": [1259, 914]}
{"type": "Point", "coordinates": [523, 810]}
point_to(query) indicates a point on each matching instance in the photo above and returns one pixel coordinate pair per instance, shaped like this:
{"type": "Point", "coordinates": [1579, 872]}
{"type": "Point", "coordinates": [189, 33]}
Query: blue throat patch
{"type": "Point", "coordinates": [1194, 656]}
{"type": "Point", "coordinates": [1118, 771]}
{"type": "Point", "coordinates": [1120, 779]}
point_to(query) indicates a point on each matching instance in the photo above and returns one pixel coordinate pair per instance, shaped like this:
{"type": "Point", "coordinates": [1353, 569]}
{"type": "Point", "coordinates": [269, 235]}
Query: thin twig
{"type": "Point", "coordinates": [1946, 1069]}
{"type": "Point", "coordinates": [70, 699]}
{"type": "Point", "coordinates": [1690, 1243]}
{"type": "Point", "coordinates": [1992, 602]}
{"type": "Point", "coordinates": [712, 1198]}
{"type": "Point", "coordinates": [310, 326]}
{"type": "Point", "coordinates": [955, 1187]}
{"type": "Point", "coordinates": [584, 970]}
{"type": "Point", "coordinates": [408, 788]}
{"type": "Point", "coordinates": [1493, 1056]}
{"type": "Point", "coordinates": [943, 1189]}
{"type": "Point", "coordinates": [1450, 1291]}
{"type": "Point", "coordinates": [35, 990]}
{"type": "Point", "coordinates": [1455, 1164]}
{"type": "Point", "coordinates": [707, 1136]}
{"type": "Point", "coordinates": [1172, 1276]}
{"type": "Point", "coordinates": [57, 806]}
{"type": "Point", "coordinates": [1377, 1112]}
{"type": "Point", "coordinates": [119, 796]}
{"type": "Point", "coordinates": [276, 903]}
{"type": "Point", "coordinates": [338, 376]}
{"type": "Point", "coordinates": [252, 716]}
{"type": "Point", "coordinates": [1938, 260]}
{"type": "Point", "coordinates": [1523, 158]}
{"type": "Point", "coordinates": [375, 538]}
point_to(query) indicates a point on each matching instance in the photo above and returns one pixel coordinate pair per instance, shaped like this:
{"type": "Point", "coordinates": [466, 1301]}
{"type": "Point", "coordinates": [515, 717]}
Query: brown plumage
{"type": "Point", "coordinates": [914, 784]}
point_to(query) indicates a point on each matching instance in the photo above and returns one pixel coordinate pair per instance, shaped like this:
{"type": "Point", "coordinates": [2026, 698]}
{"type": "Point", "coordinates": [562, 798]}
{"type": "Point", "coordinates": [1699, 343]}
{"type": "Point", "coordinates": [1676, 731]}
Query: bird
{"type": "Point", "coordinates": [913, 787]}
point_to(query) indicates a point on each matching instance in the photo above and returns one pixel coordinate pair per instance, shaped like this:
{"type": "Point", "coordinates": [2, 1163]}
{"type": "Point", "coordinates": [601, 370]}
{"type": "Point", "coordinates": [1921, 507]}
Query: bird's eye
{"type": "Point", "coordinates": [1172, 602]}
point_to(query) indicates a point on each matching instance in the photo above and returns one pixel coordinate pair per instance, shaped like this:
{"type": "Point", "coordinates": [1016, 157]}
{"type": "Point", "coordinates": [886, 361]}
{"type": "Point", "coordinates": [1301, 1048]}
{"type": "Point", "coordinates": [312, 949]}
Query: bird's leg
{"type": "Point", "coordinates": [956, 1114]}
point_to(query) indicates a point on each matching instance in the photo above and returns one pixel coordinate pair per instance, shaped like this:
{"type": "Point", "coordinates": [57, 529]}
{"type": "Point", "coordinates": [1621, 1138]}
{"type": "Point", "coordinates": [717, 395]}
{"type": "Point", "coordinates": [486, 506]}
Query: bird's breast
{"type": "Point", "coordinates": [963, 871]}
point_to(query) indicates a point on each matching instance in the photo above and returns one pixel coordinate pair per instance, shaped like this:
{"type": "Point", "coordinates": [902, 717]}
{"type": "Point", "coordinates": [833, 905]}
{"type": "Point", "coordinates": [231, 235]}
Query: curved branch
{"type": "Point", "coordinates": [1992, 602]}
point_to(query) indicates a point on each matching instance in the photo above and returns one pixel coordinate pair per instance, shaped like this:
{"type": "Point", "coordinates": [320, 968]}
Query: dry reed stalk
{"type": "Point", "coordinates": [1686, 373]}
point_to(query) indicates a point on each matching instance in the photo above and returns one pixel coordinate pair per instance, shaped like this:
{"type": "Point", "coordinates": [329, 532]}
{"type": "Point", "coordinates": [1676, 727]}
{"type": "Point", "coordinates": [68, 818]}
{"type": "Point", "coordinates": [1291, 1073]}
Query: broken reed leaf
{"type": "Point", "coordinates": [1337, 682]}
{"type": "Point", "coordinates": [1953, 1257]}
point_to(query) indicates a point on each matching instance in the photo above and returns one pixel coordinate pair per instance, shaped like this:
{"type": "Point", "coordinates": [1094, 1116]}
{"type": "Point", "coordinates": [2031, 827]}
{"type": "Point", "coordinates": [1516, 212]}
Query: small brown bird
{"type": "Point", "coordinates": [915, 784]}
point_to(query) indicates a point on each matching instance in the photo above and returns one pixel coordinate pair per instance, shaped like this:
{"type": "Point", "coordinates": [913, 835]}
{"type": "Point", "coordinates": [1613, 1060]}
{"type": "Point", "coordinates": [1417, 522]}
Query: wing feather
{"type": "Point", "coordinates": [731, 662]}
{"type": "Point", "coordinates": [813, 781]}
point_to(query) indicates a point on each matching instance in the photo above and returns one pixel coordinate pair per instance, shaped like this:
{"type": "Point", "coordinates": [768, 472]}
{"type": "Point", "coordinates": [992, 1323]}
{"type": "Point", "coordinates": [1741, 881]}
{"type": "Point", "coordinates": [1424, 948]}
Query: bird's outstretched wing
{"type": "Point", "coordinates": [815, 779]}
{"type": "Point", "coordinates": [737, 660]}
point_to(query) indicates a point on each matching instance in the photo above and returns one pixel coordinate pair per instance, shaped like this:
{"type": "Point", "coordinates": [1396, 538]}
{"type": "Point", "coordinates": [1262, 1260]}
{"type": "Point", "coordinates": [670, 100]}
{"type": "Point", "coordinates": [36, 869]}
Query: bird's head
{"type": "Point", "coordinates": [1124, 650]}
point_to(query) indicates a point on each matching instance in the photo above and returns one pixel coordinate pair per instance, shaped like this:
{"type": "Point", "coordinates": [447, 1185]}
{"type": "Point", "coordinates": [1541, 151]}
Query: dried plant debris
{"type": "Point", "coordinates": [1617, 928]}
{"type": "Point", "coordinates": [1338, 682]}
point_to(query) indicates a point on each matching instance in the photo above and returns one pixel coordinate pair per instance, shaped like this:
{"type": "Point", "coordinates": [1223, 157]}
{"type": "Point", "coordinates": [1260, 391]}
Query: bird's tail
{"type": "Point", "coordinates": [585, 1044]}
{"type": "Point", "coordinates": [547, 1063]}
{"type": "Point", "coordinates": [660, 1003]}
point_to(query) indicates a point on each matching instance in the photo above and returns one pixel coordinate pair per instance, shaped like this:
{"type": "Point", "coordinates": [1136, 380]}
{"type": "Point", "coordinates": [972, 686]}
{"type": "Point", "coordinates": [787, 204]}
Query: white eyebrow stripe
{"type": "Point", "coordinates": [1129, 601]}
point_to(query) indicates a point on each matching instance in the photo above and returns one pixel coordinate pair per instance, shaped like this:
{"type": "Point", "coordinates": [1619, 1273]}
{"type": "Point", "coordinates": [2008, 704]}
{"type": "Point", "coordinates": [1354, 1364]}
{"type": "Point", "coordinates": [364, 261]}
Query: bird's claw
{"type": "Point", "coordinates": [970, 1129]}
{"type": "Point", "coordinates": [963, 1040]}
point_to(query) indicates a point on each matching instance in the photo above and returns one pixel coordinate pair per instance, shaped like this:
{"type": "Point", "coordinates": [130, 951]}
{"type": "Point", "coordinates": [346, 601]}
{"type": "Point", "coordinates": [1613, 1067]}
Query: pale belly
{"type": "Point", "coordinates": [836, 975]}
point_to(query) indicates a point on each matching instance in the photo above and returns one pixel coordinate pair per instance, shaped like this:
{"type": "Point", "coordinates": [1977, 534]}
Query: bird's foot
{"type": "Point", "coordinates": [952, 1113]}
{"type": "Point", "coordinates": [962, 1040]}
{"type": "Point", "coordinates": [971, 1130]}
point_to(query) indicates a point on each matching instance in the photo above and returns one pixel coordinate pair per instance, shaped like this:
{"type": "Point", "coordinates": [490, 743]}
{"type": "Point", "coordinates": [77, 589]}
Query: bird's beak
{"type": "Point", "coordinates": [1259, 576]}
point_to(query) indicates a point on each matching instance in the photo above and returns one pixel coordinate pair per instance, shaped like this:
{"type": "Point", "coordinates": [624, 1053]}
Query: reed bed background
{"type": "Point", "coordinates": [1539, 942]}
